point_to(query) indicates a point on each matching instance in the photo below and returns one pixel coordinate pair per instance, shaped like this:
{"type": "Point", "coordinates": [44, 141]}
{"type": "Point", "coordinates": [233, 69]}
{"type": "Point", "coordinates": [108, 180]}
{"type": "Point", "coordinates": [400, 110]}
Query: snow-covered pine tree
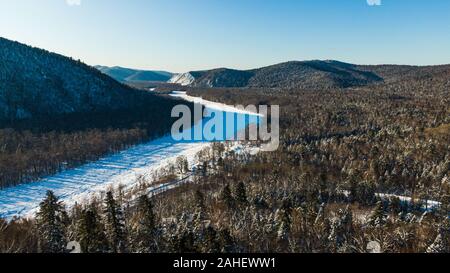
{"type": "Point", "coordinates": [241, 194]}
{"type": "Point", "coordinates": [227, 197]}
{"type": "Point", "coordinates": [91, 232]}
{"type": "Point", "coordinates": [226, 241]}
{"type": "Point", "coordinates": [51, 223]}
{"type": "Point", "coordinates": [199, 200]}
{"type": "Point", "coordinates": [115, 225]}
{"type": "Point", "coordinates": [341, 230]}
{"type": "Point", "coordinates": [204, 170]}
{"type": "Point", "coordinates": [210, 243]}
{"type": "Point", "coordinates": [185, 243]}
{"type": "Point", "coordinates": [378, 216]}
{"type": "Point", "coordinates": [286, 209]}
{"type": "Point", "coordinates": [284, 220]}
{"type": "Point", "coordinates": [283, 231]}
{"type": "Point", "coordinates": [144, 230]}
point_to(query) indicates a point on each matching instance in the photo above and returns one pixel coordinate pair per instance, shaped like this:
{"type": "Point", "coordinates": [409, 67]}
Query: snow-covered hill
{"type": "Point", "coordinates": [184, 79]}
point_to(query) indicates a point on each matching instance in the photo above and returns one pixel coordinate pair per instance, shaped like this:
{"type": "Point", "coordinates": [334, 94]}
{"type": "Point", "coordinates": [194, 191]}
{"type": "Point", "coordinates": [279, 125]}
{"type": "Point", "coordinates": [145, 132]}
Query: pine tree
{"type": "Point", "coordinates": [284, 220]}
{"type": "Point", "coordinates": [115, 225]}
{"type": "Point", "coordinates": [378, 216]}
{"type": "Point", "coordinates": [204, 170]}
{"type": "Point", "coordinates": [226, 241]}
{"type": "Point", "coordinates": [283, 231]}
{"type": "Point", "coordinates": [286, 209]}
{"type": "Point", "coordinates": [200, 200]}
{"type": "Point", "coordinates": [185, 243]}
{"type": "Point", "coordinates": [323, 185]}
{"type": "Point", "coordinates": [353, 188]}
{"type": "Point", "coordinates": [341, 230]}
{"type": "Point", "coordinates": [91, 232]}
{"type": "Point", "coordinates": [260, 203]}
{"type": "Point", "coordinates": [241, 194]}
{"type": "Point", "coordinates": [366, 192]}
{"type": "Point", "coordinates": [210, 242]}
{"type": "Point", "coordinates": [396, 205]}
{"type": "Point", "coordinates": [51, 223]}
{"type": "Point", "coordinates": [145, 227]}
{"type": "Point", "coordinates": [227, 197]}
{"type": "Point", "coordinates": [198, 222]}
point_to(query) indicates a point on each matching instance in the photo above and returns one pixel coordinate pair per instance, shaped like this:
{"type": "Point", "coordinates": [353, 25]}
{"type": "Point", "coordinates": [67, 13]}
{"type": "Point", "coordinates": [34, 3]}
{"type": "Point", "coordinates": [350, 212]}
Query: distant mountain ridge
{"type": "Point", "coordinates": [287, 75]}
{"type": "Point", "coordinates": [314, 74]}
{"type": "Point", "coordinates": [125, 75]}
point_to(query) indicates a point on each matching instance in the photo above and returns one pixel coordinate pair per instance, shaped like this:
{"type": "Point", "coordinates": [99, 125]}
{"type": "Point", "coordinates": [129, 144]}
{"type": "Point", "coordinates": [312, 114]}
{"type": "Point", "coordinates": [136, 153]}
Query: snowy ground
{"type": "Point", "coordinates": [428, 205]}
{"type": "Point", "coordinates": [210, 104]}
{"type": "Point", "coordinates": [125, 168]}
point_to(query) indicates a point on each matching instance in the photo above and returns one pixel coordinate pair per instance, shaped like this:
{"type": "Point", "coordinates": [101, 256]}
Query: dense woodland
{"type": "Point", "coordinates": [320, 192]}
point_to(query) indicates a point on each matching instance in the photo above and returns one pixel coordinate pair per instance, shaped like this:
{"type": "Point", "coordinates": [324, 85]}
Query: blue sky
{"type": "Point", "coordinates": [183, 35]}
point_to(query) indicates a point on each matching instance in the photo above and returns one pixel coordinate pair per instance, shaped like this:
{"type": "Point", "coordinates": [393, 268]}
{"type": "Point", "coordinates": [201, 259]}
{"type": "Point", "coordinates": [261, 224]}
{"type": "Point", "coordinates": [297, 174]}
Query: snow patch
{"type": "Point", "coordinates": [212, 105]}
{"type": "Point", "coordinates": [183, 79]}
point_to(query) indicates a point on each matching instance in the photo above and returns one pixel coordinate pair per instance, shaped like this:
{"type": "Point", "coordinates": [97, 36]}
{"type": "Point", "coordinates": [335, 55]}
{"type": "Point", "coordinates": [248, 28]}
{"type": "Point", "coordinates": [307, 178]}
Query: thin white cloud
{"type": "Point", "coordinates": [374, 2]}
{"type": "Point", "coordinates": [73, 2]}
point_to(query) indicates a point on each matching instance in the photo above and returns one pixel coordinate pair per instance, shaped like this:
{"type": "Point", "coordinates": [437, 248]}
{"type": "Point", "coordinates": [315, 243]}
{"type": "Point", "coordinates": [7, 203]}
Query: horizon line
{"type": "Point", "coordinates": [229, 67]}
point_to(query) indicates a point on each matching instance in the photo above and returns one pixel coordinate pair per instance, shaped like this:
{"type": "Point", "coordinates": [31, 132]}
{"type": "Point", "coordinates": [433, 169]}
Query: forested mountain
{"type": "Point", "coordinates": [34, 83]}
{"type": "Point", "coordinates": [307, 75]}
{"type": "Point", "coordinates": [132, 75]}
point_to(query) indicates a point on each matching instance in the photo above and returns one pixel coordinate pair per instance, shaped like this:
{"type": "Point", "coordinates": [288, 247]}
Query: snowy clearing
{"type": "Point", "coordinates": [79, 185]}
{"type": "Point", "coordinates": [426, 204]}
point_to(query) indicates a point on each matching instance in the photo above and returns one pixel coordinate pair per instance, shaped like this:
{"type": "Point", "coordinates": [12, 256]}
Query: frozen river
{"type": "Point", "coordinates": [124, 168]}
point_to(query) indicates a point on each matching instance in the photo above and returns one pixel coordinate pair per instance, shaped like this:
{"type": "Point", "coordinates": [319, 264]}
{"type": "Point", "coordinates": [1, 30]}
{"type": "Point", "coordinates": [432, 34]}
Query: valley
{"type": "Point", "coordinates": [363, 156]}
{"type": "Point", "coordinates": [125, 169]}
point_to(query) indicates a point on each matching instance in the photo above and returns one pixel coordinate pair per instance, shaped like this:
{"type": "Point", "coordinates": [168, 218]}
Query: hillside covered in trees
{"type": "Point", "coordinates": [306, 74]}
{"type": "Point", "coordinates": [324, 75]}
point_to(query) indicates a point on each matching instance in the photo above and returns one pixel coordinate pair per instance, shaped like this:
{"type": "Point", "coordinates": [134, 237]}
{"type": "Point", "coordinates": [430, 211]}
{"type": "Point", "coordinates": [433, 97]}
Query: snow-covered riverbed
{"type": "Point", "coordinates": [124, 168]}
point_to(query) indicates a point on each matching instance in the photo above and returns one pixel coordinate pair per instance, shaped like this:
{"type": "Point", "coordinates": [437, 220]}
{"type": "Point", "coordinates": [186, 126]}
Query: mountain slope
{"type": "Point", "coordinates": [307, 74]}
{"type": "Point", "coordinates": [311, 75]}
{"type": "Point", "coordinates": [37, 83]}
{"type": "Point", "coordinates": [396, 73]}
{"type": "Point", "coordinates": [132, 75]}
